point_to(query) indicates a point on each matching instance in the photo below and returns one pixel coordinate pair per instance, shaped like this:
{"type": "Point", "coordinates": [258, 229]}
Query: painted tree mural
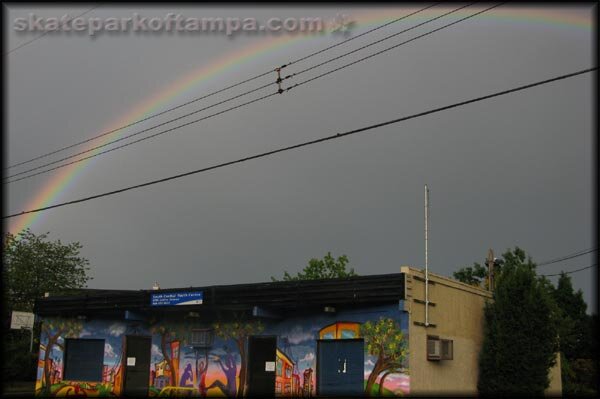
{"type": "Point", "coordinates": [239, 331]}
{"type": "Point", "coordinates": [385, 340]}
{"type": "Point", "coordinates": [385, 375]}
{"type": "Point", "coordinates": [54, 329]}
{"type": "Point", "coordinates": [168, 332]}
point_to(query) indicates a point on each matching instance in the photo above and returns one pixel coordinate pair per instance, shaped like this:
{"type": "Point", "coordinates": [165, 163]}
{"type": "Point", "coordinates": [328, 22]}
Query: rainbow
{"type": "Point", "coordinates": [188, 84]}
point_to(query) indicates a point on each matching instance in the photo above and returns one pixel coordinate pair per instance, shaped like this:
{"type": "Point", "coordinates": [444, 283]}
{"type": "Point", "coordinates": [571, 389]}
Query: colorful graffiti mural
{"type": "Point", "coordinates": [50, 381]}
{"type": "Point", "coordinates": [178, 368]}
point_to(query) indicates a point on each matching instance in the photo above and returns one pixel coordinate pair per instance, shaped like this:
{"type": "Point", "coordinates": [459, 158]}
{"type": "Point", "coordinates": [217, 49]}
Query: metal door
{"type": "Point", "coordinates": [261, 366]}
{"type": "Point", "coordinates": [340, 367]}
{"type": "Point", "coordinates": [136, 365]}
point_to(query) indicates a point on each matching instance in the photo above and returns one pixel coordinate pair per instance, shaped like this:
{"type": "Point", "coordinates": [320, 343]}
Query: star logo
{"type": "Point", "coordinates": [342, 23]}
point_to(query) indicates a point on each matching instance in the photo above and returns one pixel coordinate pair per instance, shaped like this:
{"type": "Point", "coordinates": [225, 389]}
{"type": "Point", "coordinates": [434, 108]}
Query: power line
{"type": "Point", "coordinates": [570, 256]}
{"type": "Point", "coordinates": [570, 272]}
{"type": "Point", "coordinates": [289, 88]}
{"type": "Point", "coordinates": [403, 31]}
{"type": "Point", "coordinates": [360, 35]}
{"type": "Point", "coordinates": [129, 136]}
{"type": "Point", "coordinates": [48, 31]}
{"type": "Point", "coordinates": [145, 138]}
{"type": "Point", "coordinates": [393, 47]}
{"type": "Point", "coordinates": [142, 120]}
{"type": "Point", "coordinates": [197, 111]}
{"type": "Point", "coordinates": [221, 90]}
{"type": "Point", "coordinates": [308, 143]}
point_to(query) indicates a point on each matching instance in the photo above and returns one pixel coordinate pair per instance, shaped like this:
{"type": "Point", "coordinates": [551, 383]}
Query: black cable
{"type": "Point", "coordinates": [307, 143]}
{"type": "Point", "coordinates": [140, 121]}
{"type": "Point", "coordinates": [127, 137]}
{"type": "Point", "coordinates": [569, 272]}
{"type": "Point", "coordinates": [399, 33]}
{"type": "Point", "coordinates": [48, 31]}
{"type": "Point", "coordinates": [360, 35]}
{"type": "Point", "coordinates": [393, 47]}
{"type": "Point", "coordinates": [218, 91]}
{"type": "Point", "coordinates": [144, 138]}
{"type": "Point", "coordinates": [194, 112]}
{"type": "Point", "coordinates": [566, 257]}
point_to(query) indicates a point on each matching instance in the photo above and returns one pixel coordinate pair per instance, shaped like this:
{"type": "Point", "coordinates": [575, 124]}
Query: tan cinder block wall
{"type": "Point", "coordinates": [456, 313]}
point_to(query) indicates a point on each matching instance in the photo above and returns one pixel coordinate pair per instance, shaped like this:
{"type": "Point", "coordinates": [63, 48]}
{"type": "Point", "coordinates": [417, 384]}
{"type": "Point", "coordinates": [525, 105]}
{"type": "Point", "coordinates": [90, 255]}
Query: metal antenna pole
{"type": "Point", "coordinates": [426, 256]}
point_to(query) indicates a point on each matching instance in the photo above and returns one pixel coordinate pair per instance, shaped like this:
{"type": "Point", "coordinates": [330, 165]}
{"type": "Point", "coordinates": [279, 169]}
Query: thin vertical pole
{"type": "Point", "coordinates": [426, 256]}
{"type": "Point", "coordinates": [490, 264]}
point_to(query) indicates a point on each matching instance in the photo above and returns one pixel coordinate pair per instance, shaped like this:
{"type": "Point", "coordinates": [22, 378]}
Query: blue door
{"type": "Point", "coordinates": [340, 367]}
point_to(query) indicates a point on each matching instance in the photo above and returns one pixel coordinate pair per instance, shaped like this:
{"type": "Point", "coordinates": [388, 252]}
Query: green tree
{"type": "Point", "coordinates": [328, 267]}
{"type": "Point", "coordinates": [576, 338]}
{"type": "Point", "coordinates": [473, 275]}
{"type": "Point", "coordinates": [574, 325]}
{"type": "Point", "coordinates": [32, 266]}
{"type": "Point", "coordinates": [22, 364]}
{"type": "Point", "coordinates": [239, 331]}
{"type": "Point", "coordinates": [385, 340]}
{"type": "Point", "coordinates": [520, 331]}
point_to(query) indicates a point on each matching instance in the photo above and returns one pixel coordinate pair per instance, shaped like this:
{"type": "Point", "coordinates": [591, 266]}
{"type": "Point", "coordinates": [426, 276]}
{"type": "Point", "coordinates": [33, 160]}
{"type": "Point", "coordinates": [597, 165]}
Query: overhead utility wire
{"type": "Point", "coordinates": [202, 109]}
{"type": "Point", "coordinates": [259, 88]}
{"type": "Point", "coordinates": [360, 35]}
{"type": "Point", "coordinates": [308, 143]}
{"type": "Point", "coordinates": [131, 135]}
{"type": "Point", "coordinates": [48, 31]}
{"type": "Point", "coordinates": [566, 257]}
{"type": "Point", "coordinates": [221, 90]}
{"type": "Point", "coordinates": [146, 138]}
{"type": "Point", "coordinates": [570, 272]}
{"type": "Point", "coordinates": [392, 47]}
{"type": "Point", "coordinates": [400, 32]}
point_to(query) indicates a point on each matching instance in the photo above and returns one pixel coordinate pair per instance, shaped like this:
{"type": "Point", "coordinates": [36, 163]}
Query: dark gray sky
{"type": "Point", "coordinates": [515, 170]}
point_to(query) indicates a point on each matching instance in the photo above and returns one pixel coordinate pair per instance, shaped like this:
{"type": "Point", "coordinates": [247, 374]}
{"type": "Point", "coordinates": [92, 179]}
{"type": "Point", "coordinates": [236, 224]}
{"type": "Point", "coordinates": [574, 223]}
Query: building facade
{"type": "Point", "coordinates": [455, 318]}
{"type": "Point", "coordinates": [359, 336]}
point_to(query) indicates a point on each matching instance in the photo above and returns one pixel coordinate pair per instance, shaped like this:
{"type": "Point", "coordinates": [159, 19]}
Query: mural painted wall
{"type": "Point", "coordinates": [218, 368]}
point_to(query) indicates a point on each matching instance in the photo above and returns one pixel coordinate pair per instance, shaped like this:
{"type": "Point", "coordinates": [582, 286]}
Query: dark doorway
{"type": "Point", "coordinates": [261, 366]}
{"type": "Point", "coordinates": [340, 367]}
{"type": "Point", "coordinates": [136, 364]}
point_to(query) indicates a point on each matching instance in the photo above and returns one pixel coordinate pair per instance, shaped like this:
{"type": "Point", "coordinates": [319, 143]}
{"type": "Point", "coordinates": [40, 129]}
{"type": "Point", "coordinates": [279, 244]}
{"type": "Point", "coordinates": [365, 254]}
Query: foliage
{"type": "Point", "coordinates": [574, 326]}
{"type": "Point", "coordinates": [475, 275]}
{"type": "Point", "coordinates": [325, 268]}
{"type": "Point", "coordinates": [579, 377]}
{"type": "Point", "coordinates": [576, 339]}
{"type": "Point", "coordinates": [22, 364]}
{"type": "Point", "coordinates": [32, 266]}
{"type": "Point", "coordinates": [520, 331]}
{"type": "Point", "coordinates": [385, 340]}
{"type": "Point", "coordinates": [237, 329]}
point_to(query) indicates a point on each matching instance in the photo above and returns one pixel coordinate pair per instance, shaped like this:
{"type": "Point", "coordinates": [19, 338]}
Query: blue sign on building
{"type": "Point", "coordinates": [177, 298]}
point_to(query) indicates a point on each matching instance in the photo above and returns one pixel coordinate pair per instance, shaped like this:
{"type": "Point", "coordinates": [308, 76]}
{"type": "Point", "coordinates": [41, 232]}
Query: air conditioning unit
{"type": "Point", "coordinates": [434, 348]}
{"type": "Point", "coordinates": [447, 349]}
